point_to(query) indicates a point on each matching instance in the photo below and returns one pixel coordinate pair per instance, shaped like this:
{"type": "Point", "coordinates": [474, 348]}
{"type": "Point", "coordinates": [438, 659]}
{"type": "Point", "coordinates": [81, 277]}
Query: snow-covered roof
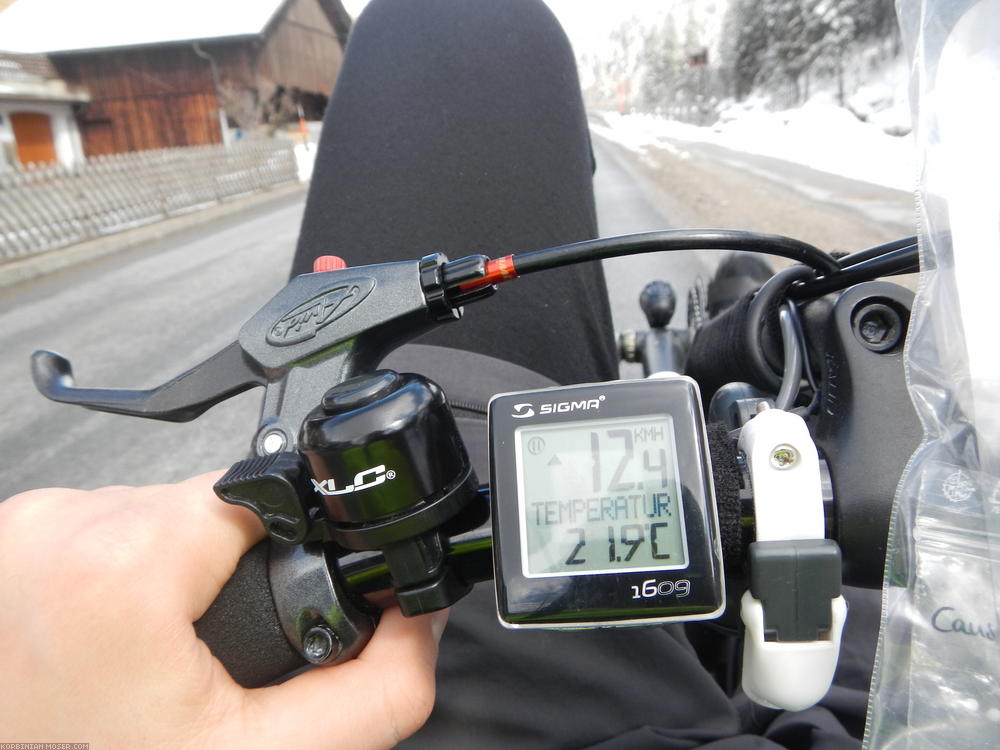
{"type": "Point", "coordinates": [64, 25]}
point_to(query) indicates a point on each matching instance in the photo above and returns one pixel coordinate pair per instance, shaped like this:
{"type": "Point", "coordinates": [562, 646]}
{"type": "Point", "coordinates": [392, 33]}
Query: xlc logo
{"type": "Point", "coordinates": [523, 411]}
{"type": "Point", "coordinates": [363, 480]}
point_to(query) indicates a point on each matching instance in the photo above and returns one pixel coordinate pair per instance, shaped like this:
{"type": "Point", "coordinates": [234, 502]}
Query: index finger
{"type": "Point", "coordinates": [207, 537]}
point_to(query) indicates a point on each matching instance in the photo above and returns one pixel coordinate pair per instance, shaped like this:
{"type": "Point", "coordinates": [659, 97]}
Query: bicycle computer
{"type": "Point", "coordinates": [603, 506]}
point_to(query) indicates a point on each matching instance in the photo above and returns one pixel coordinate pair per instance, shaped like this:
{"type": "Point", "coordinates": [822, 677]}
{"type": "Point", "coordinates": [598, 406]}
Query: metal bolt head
{"type": "Point", "coordinates": [878, 327]}
{"type": "Point", "coordinates": [320, 644]}
{"type": "Point", "coordinates": [874, 330]}
{"type": "Point", "coordinates": [273, 442]}
{"type": "Point", "coordinates": [784, 457]}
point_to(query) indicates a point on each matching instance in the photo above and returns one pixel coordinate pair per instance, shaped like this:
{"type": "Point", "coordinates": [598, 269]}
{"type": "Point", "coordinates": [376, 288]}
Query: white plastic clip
{"type": "Point", "coordinates": [788, 506]}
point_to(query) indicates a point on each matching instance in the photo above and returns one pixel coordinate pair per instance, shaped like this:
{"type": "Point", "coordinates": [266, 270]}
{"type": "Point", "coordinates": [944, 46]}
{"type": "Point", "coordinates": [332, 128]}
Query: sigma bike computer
{"type": "Point", "coordinates": [603, 506]}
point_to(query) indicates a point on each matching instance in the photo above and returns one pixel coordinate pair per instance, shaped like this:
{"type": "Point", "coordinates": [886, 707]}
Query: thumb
{"type": "Point", "coordinates": [374, 701]}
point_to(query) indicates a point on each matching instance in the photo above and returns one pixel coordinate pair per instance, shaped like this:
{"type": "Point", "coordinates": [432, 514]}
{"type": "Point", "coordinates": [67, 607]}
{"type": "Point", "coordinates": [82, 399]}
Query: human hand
{"type": "Point", "coordinates": [100, 590]}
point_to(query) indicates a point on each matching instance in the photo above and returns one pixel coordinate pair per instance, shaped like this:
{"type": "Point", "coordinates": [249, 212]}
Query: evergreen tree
{"type": "Point", "coordinates": [782, 44]}
{"type": "Point", "coordinates": [661, 56]}
{"type": "Point", "coordinates": [744, 45]}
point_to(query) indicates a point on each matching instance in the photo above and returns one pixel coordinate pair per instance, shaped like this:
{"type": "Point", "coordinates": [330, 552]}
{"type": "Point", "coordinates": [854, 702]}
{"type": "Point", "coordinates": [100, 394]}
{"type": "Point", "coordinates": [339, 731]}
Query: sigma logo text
{"type": "Point", "coordinates": [523, 411]}
{"type": "Point", "coordinates": [363, 480]}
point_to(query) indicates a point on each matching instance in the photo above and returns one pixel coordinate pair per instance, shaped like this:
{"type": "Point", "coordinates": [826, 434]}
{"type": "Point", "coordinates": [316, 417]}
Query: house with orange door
{"type": "Point", "coordinates": [38, 113]}
{"type": "Point", "coordinates": [161, 75]}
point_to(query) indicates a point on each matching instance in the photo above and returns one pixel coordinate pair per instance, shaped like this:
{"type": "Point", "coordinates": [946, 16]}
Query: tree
{"type": "Point", "coordinates": [744, 45]}
{"type": "Point", "coordinates": [661, 62]}
{"type": "Point", "coordinates": [783, 44]}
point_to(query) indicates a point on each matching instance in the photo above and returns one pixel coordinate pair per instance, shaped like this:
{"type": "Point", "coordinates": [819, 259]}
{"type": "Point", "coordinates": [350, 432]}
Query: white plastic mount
{"type": "Point", "coordinates": [788, 505]}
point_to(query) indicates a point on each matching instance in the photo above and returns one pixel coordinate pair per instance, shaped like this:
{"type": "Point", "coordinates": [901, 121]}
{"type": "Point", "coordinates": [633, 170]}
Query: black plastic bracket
{"type": "Point", "coordinates": [432, 596]}
{"type": "Point", "coordinates": [865, 412]}
{"type": "Point", "coordinates": [273, 487]}
{"type": "Point", "coordinates": [312, 605]}
{"type": "Point", "coordinates": [423, 579]}
{"type": "Point", "coordinates": [795, 580]}
{"type": "Point", "coordinates": [435, 292]}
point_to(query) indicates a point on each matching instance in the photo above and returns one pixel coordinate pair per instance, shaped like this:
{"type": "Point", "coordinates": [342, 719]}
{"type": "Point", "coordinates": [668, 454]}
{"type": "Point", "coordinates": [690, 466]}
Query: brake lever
{"type": "Point", "coordinates": [182, 399]}
{"type": "Point", "coordinates": [319, 330]}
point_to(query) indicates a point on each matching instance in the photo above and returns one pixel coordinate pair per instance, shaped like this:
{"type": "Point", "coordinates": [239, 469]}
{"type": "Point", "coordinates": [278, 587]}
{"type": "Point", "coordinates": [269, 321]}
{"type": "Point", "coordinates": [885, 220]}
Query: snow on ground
{"type": "Point", "coordinates": [820, 135]}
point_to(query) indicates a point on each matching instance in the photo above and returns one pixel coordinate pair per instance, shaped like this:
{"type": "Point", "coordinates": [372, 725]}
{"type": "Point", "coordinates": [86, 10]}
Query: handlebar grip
{"type": "Point", "coordinates": [242, 628]}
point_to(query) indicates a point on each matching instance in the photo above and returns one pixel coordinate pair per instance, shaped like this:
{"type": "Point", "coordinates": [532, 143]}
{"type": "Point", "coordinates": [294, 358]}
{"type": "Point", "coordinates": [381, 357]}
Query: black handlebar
{"type": "Point", "coordinates": [324, 328]}
{"type": "Point", "coordinates": [242, 627]}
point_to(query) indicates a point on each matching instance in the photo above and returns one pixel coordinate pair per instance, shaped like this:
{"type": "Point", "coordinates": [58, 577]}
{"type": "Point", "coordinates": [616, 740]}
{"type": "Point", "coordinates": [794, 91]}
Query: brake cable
{"type": "Point", "coordinates": [892, 258]}
{"type": "Point", "coordinates": [520, 264]}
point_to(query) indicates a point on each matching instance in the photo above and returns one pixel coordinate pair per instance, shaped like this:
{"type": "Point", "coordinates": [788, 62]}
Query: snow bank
{"type": "Point", "coordinates": [820, 135]}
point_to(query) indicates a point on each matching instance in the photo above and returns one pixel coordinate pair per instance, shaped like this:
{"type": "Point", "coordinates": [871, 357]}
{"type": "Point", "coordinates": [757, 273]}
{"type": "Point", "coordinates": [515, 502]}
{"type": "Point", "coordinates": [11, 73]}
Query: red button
{"type": "Point", "coordinates": [328, 263]}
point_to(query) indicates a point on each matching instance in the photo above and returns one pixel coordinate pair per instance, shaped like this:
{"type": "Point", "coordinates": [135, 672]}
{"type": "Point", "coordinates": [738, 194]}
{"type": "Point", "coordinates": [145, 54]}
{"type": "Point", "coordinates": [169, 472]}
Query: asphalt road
{"type": "Point", "coordinates": [629, 201]}
{"type": "Point", "coordinates": [136, 320]}
{"type": "Point", "coordinates": [705, 185]}
{"type": "Point", "coordinates": [139, 318]}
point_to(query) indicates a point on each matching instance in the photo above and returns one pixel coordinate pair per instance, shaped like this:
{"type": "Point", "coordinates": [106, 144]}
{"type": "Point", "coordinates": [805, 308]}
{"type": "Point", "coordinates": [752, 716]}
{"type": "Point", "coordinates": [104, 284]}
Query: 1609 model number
{"type": "Point", "coordinates": [651, 587]}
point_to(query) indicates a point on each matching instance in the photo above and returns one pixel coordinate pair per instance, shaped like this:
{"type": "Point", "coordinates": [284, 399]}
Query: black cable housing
{"type": "Point", "coordinates": [677, 239]}
{"type": "Point", "coordinates": [874, 252]}
{"type": "Point", "coordinates": [763, 307]}
{"type": "Point", "coordinates": [900, 260]}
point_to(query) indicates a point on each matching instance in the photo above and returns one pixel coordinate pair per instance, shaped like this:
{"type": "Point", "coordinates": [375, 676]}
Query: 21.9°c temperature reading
{"type": "Point", "coordinates": [600, 496]}
{"type": "Point", "coordinates": [630, 537]}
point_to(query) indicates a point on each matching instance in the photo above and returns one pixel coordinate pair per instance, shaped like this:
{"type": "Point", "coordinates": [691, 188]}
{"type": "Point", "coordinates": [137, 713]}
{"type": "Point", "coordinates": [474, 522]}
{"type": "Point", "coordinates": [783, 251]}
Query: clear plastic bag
{"type": "Point", "coordinates": [937, 675]}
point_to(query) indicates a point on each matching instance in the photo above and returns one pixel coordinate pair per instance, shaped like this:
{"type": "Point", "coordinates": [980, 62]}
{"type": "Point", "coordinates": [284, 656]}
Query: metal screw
{"type": "Point", "coordinates": [874, 330]}
{"type": "Point", "coordinates": [320, 644]}
{"type": "Point", "coordinates": [273, 442]}
{"type": "Point", "coordinates": [784, 457]}
{"type": "Point", "coordinates": [879, 327]}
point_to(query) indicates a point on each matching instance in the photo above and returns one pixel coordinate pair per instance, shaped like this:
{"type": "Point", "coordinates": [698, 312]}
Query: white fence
{"type": "Point", "coordinates": [43, 207]}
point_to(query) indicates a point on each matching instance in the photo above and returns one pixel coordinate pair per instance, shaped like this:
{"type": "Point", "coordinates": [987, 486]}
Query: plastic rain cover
{"type": "Point", "coordinates": [937, 675]}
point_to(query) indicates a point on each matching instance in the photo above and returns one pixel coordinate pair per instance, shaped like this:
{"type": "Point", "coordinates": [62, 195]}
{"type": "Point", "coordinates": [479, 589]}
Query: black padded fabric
{"type": "Point", "coordinates": [457, 126]}
{"type": "Point", "coordinates": [737, 275]}
{"type": "Point", "coordinates": [726, 474]}
{"type": "Point", "coordinates": [719, 351]}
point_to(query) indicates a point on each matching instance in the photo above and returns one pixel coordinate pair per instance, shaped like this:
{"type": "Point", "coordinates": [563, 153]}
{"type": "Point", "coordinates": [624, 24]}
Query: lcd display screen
{"type": "Point", "coordinates": [599, 496]}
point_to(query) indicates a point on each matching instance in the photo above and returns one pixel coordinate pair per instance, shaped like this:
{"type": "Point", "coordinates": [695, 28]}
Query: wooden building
{"type": "Point", "coordinates": [157, 81]}
{"type": "Point", "coordinates": [37, 113]}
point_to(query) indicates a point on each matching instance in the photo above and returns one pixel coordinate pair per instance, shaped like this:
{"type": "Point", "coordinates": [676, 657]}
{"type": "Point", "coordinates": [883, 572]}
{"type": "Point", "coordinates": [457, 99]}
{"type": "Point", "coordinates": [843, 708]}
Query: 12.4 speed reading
{"type": "Point", "coordinates": [599, 496]}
